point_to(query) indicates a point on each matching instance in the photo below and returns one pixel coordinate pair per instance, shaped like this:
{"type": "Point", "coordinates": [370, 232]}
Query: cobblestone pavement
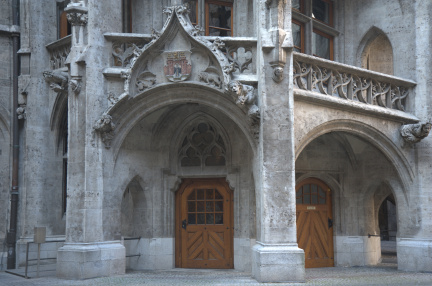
{"type": "Point", "coordinates": [384, 274]}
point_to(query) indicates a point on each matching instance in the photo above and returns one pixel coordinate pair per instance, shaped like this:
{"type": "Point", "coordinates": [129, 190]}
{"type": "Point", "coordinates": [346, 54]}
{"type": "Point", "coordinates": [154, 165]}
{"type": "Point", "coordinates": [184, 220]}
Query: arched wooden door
{"type": "Point", "coordinates": [315, 223]}
{"type": "Point", "coordinates": [204, 224]}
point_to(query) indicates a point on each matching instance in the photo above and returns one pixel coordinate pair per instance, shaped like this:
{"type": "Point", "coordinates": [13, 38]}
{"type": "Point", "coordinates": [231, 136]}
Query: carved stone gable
{"type": "Point", "coordinates": [178, 54]}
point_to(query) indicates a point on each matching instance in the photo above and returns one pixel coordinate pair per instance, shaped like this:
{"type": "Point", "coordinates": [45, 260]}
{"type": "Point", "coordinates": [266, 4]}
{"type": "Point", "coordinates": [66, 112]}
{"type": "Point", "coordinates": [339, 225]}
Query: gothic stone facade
{"type": "Point", "coordinates": [240, 151]}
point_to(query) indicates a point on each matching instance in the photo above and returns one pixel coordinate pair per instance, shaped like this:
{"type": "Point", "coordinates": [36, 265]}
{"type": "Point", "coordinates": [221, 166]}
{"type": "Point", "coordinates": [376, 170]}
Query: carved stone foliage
{"type": "Point", "coordinates": [105, 128]}
{"type": "Point", "coordinates": [241, 57]}
{"type": "Point", "coordinates": [202, 146]}
{"type": "Point", "coordinates": [346, 85]}
{"type": "Point", "coordinates": [58, 80]}
{"type": "Point", "coordinates": [145, 80]}
{"type": "Point", "coordinates": [124, 52]}
{"type": "Point", "coordinates": [413, 133]}
{"type": "Point", "coordinates": [77, 18]}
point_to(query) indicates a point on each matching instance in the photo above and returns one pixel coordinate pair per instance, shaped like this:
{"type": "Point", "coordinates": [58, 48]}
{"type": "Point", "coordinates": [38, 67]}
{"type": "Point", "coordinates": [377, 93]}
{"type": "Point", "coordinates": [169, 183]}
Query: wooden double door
{"type": "Point", "coordinates": [315, 223]}
{"type": "Point", "coordinates": [204, 224]}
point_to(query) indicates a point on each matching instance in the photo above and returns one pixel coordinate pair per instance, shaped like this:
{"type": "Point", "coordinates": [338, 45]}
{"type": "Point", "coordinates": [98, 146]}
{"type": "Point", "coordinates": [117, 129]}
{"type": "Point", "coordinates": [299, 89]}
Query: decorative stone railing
{"type": "Point", "coordinates": [240, 50]}
{"type": "Point", "coordinates": [349, 82]}
{"type": "Point", "coordinates": [59, 51]}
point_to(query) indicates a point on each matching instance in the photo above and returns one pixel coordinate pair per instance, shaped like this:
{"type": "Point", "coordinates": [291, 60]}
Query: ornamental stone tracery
{"type": "Point", "coordinates": [203, 146]}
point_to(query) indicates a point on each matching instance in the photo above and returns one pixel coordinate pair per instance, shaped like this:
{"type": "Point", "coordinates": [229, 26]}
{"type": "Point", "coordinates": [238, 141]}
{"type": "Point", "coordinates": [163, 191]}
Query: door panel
{"type": "Point", "coordinates": [314, 230]}
{"type": "Point", "coordinates": [204, 224]}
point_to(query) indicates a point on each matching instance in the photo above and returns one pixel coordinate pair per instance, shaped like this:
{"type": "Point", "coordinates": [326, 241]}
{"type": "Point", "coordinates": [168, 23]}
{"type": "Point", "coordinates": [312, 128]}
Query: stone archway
{"type": "Point", "coordinates": [356, 166]}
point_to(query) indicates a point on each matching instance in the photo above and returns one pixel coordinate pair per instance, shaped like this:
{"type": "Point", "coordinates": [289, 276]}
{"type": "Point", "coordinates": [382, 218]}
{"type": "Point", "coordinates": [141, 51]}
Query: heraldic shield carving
{"type": "Point", "coordinates": [177, 65]}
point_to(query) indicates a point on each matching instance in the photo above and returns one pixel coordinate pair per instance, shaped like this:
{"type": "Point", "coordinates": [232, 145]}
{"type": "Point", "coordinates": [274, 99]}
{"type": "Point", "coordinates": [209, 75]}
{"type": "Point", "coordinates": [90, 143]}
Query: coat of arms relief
{"type": "Point", "coordinates": [178, 66]}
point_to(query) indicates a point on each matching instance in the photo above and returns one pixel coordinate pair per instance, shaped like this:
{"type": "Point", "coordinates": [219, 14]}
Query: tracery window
{"type": "Point", "coordinates": [203, 146]}
{"type": "Point", "coordinates": [216, 16]}
{"type": "Point", "coordinates": [312, 27]}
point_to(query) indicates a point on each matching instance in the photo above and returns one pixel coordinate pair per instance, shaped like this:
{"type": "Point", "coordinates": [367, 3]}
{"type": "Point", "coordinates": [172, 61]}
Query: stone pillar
{"type": "Point", "coordinates": [86, 253]}
{"type": "Point", "coordinates": [276, 256]}
{"type": "Point", "coordinates": [414, 250]}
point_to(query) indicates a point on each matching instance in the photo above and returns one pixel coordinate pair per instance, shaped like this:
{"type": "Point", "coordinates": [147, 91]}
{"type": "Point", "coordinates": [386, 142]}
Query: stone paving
{"type": "Point", "coordinates": [384, 274]}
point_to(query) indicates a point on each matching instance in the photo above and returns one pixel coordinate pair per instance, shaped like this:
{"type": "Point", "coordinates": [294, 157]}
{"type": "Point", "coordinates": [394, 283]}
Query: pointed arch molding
{"type": "Point", "coordinates": [371, 135]}
{"type": "Point", "coordinates": [367, 39]}
{"type": "Point", "coordinates": [135, 109]}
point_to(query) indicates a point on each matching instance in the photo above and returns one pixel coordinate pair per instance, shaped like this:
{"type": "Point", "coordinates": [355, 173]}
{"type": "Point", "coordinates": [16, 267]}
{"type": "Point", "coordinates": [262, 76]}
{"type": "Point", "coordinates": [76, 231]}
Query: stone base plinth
{"type": "Point", "coordinates": [278, 263]}
{"type": "Point", "coordinates": [414, 254]}
{"type": "Point", "coordinates": [90, 260]}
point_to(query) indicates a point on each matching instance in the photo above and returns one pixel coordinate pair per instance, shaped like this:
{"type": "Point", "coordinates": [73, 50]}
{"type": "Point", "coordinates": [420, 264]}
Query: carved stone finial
{"type": "Point", "coordinates": [413, 133]}
{"type": "Point", "coordinates": [246, 95]}
{"type": "Point", "coordinates": [105, 127]}
{"type": "Point", "coordinates": [58, 80]}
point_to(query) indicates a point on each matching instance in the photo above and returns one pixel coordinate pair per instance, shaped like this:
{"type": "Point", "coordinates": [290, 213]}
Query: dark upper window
{"type": "Point", "coordinates": [312, 27]}
{"type": "Point", "coordinates": [216, 17]}
{"type": "Point", "coordinates": [63, 26]}
{"type": "Point", "coordinates": [127, 16]}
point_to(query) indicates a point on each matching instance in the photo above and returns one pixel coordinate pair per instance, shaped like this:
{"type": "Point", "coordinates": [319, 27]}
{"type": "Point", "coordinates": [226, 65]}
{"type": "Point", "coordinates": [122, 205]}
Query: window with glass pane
{"type": "Point", "coordinates": [193, 7]}
{"type": "Point", "coordinates": [296, 4]}
{"type": "Point", "coordinates": [205, 206]}
{"type": "Point", "coordinates": [218, 18]}
{"type": "Point", "coordinates": [297, 31]}
{"type": "Point", "coordinates": [321, 10]}
{"type": "Point", "coordinates": [321, 45]}
{"type": "Point", "coordinates": [311, 194]}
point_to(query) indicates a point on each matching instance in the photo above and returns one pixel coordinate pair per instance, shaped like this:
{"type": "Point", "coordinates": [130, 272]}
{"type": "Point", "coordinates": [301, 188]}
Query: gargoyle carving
{"type": "Point", "coordinates": [413, 133]}
{"type": "Point", "coordinates": [58, 80]}
{"type": "Point", "coordinates": [246, 95]}
{"type": "Point", "coordinates": [105, 127]}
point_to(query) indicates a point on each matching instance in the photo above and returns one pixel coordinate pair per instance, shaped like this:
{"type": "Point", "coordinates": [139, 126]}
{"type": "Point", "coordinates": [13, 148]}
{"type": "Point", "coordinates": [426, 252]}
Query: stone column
{"type": "Point", "coordinates": [414, 250]}
{"type": "Point", "coordinates": [86, 253]}
{"type": "Point", "coordinates": [276, 256]}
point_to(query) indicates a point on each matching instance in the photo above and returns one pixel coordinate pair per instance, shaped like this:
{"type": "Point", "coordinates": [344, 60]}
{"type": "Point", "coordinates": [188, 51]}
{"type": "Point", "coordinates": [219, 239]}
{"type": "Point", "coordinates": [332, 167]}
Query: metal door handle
{"type": "Point", "coordinates": [184, 223]}
{"type": "Point", "coordinates": [330, 223]}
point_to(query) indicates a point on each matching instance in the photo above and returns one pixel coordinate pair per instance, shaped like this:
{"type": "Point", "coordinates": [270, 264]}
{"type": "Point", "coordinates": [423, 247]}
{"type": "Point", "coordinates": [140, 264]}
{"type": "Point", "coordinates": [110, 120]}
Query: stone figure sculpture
{"type": "Point", "coordinates": [246, 95]}
{"type": "Point", "coordinates": [105, 127]}
{"type": "Point", "coordinates": [413, 133]}
{"type": "Point", "coordinates": [210, 79]}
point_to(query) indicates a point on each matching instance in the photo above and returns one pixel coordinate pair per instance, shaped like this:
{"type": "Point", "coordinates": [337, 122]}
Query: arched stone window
{"type": "Point", "coordinates": [378, 55]}
{"type": "Point", "coordinates": [202, 146]}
